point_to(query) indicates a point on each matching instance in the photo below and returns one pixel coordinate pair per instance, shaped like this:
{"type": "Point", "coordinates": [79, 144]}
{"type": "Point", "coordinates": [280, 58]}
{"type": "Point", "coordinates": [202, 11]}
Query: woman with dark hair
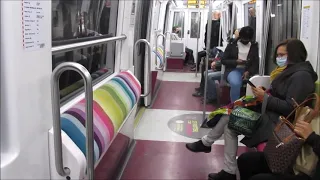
{"type": "Point", "coordinates": [241, 59]}
{"type": "Point", "coordinates": [297, 81]}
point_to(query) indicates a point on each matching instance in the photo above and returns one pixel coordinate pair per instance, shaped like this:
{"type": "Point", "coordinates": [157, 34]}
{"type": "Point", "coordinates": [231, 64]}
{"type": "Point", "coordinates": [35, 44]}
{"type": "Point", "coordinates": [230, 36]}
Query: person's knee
{"type": "Point", "coordinates": [243, 159]}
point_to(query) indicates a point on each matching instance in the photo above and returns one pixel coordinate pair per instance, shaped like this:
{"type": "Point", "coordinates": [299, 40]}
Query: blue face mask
{"type": "Point", "coordinates": [281, 61]}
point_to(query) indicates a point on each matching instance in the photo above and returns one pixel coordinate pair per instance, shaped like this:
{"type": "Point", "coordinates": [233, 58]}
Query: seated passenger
{"type": "Point", "coordinates": [241, 59]}
{"type": "Point", "coordinates": [296, 81]}
{"type": "Point", "coordinates": [214, 73]}
{"type": "Point", "coordinates": [253, 165]}
{"type": "Point", "coordinates": [174, 34]}
{"type": "Point", "coordinates": [189, 59]}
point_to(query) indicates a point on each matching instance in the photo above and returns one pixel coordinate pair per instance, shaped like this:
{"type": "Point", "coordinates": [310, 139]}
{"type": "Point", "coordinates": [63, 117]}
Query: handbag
{"type": "Point", "coordinates": [307, 160]}
{"type": "Point", "coordinates": [244, 121]}
{"type": "Point", "coordinates": [283, 146]}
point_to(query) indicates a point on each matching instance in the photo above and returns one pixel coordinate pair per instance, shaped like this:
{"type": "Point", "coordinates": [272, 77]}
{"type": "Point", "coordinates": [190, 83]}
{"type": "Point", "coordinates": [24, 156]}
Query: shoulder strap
{"type": "Point", "coordinates": [315, 112]}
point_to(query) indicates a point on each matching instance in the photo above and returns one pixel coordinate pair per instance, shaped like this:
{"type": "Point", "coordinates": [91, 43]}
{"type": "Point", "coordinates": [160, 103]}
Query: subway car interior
{"type": "Point", "coordinates": [132, 89]}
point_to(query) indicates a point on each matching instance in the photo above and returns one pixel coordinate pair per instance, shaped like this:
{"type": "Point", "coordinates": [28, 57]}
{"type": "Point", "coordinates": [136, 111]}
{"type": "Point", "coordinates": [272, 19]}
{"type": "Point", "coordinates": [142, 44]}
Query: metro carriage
{"type": "Point", "coordinates": [100, 89]}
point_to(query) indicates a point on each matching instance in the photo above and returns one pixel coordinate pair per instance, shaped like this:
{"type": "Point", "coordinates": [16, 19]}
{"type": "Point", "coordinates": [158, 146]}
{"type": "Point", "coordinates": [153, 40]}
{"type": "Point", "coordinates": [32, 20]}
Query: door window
{"type": "Point", "coordinates": [178, 23]}
{"type": "Point", "coordinates": [195, 25]}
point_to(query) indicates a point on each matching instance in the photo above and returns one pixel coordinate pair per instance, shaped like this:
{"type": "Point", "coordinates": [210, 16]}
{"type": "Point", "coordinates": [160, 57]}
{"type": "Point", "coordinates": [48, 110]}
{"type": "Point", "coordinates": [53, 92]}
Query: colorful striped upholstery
{"type": "Point", "coordinates": [112, 102]}
{"type": "Point", "coordinates": [160, 54]}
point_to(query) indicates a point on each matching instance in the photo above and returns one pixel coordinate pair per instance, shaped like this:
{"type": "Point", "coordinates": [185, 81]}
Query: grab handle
{"type": "Point", "coordinates": [55, 96]}
{"type": "Point", "coordinates": [147, 85]}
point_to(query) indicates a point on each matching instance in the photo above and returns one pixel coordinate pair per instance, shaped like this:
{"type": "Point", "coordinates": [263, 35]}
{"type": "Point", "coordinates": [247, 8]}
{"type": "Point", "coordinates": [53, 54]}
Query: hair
{"type": "Point", "coordinates": [174, 28]}
{"type": "Point", "coordinates": [296, 51]}
{"type": "Point", "coordinates": [246, 32]}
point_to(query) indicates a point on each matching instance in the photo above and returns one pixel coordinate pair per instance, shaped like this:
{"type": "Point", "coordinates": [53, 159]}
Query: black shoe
{"type": "Point", "coordinates": [197, 94]}
{"type": "Point", "coordinates": [198, 147]}
{"type": "Point", "coordinates": [222, 175]}
{"type": "Point", "coordinates": [197, 89]}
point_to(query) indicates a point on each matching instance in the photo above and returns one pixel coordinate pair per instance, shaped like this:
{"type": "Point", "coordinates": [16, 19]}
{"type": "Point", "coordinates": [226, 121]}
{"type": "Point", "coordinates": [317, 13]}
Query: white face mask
{"type": "Point", "coordinates": [233, 36]}
{"type": "Point", "coordinates": [281, 61]}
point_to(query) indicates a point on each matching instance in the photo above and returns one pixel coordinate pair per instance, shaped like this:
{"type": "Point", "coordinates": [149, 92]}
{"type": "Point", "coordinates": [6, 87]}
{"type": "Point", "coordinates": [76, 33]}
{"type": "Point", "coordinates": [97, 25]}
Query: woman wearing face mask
{"type": "Point", "coordinates": [297, 81]}
{"type": "Point", "coordinates": [241, 59]}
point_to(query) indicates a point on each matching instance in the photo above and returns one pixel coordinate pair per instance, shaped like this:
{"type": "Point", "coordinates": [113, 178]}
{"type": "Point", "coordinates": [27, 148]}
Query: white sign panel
{"type": "Point", "coordinates": [306, 15]}
{"type": "Point", "coordinates": [32, 24]}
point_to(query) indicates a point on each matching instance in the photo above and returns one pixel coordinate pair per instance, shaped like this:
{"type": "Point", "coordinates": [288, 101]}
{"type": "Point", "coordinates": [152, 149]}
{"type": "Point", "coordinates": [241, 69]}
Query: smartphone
{"type": "Point", "coordinates": [250, 83]}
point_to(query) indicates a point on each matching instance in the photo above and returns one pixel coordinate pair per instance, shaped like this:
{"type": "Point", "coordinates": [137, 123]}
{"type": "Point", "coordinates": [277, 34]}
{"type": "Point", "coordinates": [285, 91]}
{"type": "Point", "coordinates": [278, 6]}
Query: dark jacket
{"type": "Point", "coordinates": [230, 57]}
{"type": "Point", "coordinates": [215, 31]}
{"type": "Point", "coordinates": [296, 81]}
{"type": "Point", "coordinates": [314, 141]}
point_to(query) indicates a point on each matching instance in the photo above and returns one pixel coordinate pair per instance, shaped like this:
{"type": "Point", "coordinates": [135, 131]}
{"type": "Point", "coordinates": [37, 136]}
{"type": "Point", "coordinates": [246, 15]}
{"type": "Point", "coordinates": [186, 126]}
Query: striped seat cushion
{"type": "Point", "coordinates": [112, 102]}
{"type": "Point", "coordinates": [160, 54]}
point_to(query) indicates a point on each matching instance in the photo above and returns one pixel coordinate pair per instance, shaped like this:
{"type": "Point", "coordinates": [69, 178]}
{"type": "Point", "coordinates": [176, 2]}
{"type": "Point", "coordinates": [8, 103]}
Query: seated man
{"type": "Point", "coordinates": [189, 52]}
{"type": "Point", "coordinates": [214, 73]}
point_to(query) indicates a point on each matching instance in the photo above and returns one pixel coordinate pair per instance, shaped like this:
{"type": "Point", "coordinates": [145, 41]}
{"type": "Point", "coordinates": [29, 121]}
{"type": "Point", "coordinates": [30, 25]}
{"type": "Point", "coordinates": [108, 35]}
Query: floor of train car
{"type": "Point", "coordinates": [163, 130]}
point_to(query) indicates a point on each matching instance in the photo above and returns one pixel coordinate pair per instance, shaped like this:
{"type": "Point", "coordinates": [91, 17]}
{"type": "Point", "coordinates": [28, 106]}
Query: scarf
{"type": "Point", "coordinates": [276, 72]}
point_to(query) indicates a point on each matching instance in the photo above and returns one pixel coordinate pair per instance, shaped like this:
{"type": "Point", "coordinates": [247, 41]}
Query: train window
{"type": "Point", "coordinates": [195, 25]}
{"type": "Point", "coordinates": [284, 24]}
{"type": "Point", "coordinates": [78, 21]}
{"type": "Point", "coordinates": [178, 22]}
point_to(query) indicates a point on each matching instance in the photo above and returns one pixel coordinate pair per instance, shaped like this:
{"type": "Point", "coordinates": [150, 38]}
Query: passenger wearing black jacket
{"type": "Point", "coordinates": [253, 165]}
{"type": "Point", "coordinates": [214, 41]}
{"type": "Point", "coordinates": [297, 81]}
{"type": "Point", "coordinates": [241, 58]}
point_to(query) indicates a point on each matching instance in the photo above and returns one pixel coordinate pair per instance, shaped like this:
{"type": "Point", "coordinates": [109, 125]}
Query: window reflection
{"type": "Point", "coordinates": [178, 23]}
{"type": "Point", "coordinates": [195, 25]}
{"type": "Point", "coordinates": [281, 27]}
{"type": "Point", "coordinates": [78, 21]}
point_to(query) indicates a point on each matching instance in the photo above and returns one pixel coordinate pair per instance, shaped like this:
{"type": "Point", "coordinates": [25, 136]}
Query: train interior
{"type": "Point", "coordinates": [105, 89]}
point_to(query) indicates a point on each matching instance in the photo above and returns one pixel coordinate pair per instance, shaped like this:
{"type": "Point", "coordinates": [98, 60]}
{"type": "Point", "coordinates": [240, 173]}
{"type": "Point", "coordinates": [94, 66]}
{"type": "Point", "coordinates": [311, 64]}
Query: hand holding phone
{"type": "Point", "coordinates": [250, 83]}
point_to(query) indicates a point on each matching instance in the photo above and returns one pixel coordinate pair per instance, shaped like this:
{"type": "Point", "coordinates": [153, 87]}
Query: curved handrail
{"type": "Point", "coordinates": [147, 85]}
{"type": "Point", "coordinates": [164, 48]}
{"type": "Point", "coordinates": [55, 96]}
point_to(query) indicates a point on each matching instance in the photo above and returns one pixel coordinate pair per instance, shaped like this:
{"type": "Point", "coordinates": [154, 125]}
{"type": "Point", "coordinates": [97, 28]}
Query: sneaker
{"type": "Point", "coordinates": [222, 175]}
{"type": "Point", "coordinates": [197, 94]}
{"type": "Point", "coordinates": [198, 147]}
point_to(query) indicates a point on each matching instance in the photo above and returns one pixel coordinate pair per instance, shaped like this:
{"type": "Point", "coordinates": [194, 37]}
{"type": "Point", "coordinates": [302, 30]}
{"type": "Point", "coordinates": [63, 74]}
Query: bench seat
{"type": "Point", "coordinates": [112, 102]}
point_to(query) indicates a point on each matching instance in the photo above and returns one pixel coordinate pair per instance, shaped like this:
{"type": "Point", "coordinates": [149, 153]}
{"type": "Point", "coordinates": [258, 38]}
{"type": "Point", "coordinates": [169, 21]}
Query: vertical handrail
{"type": "Point", "coordinates": [207, 60]}
{"type": "Point", "coordinates": [198, 36]}
{"type": "Point", "coordinates": [165, 52]}
{"type": "Point", "coordinates": [147, 85]}
{"type": "Point", "coordinates": [164, 48]}
{"type": "Point", "coordinates": [55, 96]}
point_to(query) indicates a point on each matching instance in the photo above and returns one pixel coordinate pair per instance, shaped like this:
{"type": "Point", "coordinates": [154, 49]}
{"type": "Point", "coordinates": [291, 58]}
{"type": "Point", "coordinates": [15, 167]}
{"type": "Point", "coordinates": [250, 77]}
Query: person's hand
{"type": "Point", "coordinates": [258, 92]}
{"type": "Point", "coordinates": [245, 75]}
{"type": "Point", "coordinates": [240, 61]}
{"type": "Point", "coordinates": [213, 65]}
{"type": "Point", "coordinates": [303, 129]}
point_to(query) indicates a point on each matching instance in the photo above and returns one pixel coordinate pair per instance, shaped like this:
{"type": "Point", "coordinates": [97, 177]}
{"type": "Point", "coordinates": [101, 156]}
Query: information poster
{"type": "Point", "coordinates": [306, 15]}
{"type": "Point", "coordinates": [32, 24]}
